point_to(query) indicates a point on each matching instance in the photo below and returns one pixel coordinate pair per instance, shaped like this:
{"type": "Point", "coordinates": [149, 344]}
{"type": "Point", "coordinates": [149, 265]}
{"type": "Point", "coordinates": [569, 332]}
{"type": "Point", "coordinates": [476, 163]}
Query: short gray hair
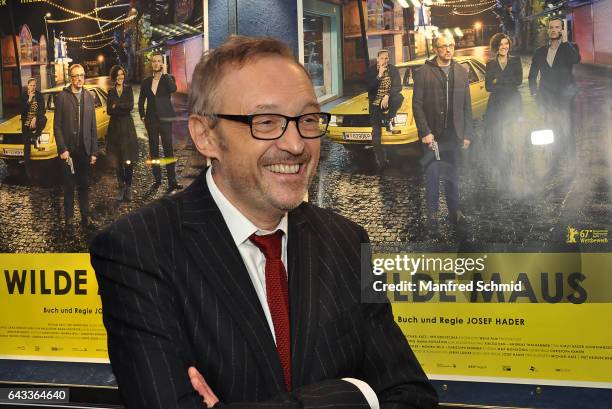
{"type": "Point", "coordinates": [435, 40]}
{"type": "Point", "coordinates": [236, 52]}
{"type": "Point", "coordinates": [73, 66]}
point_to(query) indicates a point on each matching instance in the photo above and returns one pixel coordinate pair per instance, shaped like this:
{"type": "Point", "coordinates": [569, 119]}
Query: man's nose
{"type": "Point", "coordinates": [291, 141]}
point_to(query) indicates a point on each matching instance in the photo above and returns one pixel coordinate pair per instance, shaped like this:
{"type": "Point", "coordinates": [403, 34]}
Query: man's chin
{"type": "Point", "coordinates": [291, 201]}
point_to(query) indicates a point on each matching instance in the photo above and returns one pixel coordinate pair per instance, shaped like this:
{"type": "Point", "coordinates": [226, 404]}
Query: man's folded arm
{"type": "Point", "coordinates": [330, 393]}
{"type": "Point", "coordinates": [150, 354]}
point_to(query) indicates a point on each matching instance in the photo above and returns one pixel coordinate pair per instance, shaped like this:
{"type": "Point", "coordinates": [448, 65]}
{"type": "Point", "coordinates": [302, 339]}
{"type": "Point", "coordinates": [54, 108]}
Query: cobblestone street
{"type": "Point", "coordinates": [529, 206]}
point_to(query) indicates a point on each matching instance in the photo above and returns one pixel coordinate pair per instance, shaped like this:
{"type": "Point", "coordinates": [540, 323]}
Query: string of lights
{"type": "Point", "coordinates": [90, 40]}
{"type": "Point", "coordinates": [98, 47]}
{"type": "Point", "coordinates": [106, 30]}
{"type": "Point", "coordinates": [67, 20]}
{"type": "Point", "coordinates": [83, 15]}
{"type": "Point", "coordinates": [474, 13]}
{"type": "Point", "coordinates": [435, 4]}
{"type": "Point", "coordinates": [489, 3]}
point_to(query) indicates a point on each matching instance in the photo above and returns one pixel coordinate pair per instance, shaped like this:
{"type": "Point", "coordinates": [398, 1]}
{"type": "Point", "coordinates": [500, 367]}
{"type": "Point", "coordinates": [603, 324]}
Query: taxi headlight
{"type": "Point", "coordinates": [45, 138]}
{"type": "Point", "coordinates": [401, 119]}
{"type": "Point", "coordinates": [336, 120]}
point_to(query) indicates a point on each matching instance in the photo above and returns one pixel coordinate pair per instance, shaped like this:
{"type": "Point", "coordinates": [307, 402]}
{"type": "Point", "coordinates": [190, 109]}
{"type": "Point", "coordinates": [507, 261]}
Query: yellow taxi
{"type": "Point", "coordinates": [11, 138]}
{"type": "Point", "coordinates": [350, 120]}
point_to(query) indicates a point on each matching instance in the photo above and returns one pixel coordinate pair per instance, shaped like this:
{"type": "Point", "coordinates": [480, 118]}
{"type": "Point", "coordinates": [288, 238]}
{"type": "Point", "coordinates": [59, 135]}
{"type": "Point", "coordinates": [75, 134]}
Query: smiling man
{"type": "Point", "coordinates": [235, 293]}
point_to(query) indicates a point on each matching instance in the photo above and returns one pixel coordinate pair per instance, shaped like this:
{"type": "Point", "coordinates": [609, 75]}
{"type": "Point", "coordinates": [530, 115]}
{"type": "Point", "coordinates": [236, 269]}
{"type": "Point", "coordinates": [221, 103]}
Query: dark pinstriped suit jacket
{"type": "Point", "coordinates": [175, 292]}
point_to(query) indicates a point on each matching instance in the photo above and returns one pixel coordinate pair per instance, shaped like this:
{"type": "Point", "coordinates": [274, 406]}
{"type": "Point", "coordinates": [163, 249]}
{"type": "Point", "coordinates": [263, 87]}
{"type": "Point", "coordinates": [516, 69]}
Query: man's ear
{"type": "Point", "coordinates": [204, 137]}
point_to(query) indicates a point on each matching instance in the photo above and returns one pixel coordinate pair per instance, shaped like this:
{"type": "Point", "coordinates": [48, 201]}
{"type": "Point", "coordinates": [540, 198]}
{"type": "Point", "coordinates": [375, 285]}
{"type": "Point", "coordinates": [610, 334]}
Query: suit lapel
{"type": "Point", "coordinates": [210, 244]}
{"type": "Point", "coordinates": [303, 262]}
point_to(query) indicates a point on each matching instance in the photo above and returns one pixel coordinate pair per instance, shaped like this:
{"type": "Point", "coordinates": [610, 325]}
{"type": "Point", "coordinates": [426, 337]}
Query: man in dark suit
{"type": "Point", "coordinates": [76, 135]}
{"type": "Point", "coordinates": [442, 108]}
{"type": "Point", "coordinates": [555, 93]}
{"type": "Point", "coordinates": [156, 91]}
{"type": "Point", "coordinates": [385, 98]}
{"type": "Point", "coordinates": [236, 288]}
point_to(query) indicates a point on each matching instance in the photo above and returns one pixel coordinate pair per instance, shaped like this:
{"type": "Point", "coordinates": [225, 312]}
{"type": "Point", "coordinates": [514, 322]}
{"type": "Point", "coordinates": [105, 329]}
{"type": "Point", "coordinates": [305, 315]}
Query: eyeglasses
{"type": "Point", "coordinates": [273, 126]}
{"type": "Point", "coordinates": [78, 76]}
{"type": "Point", "coordinates": [446, 46]}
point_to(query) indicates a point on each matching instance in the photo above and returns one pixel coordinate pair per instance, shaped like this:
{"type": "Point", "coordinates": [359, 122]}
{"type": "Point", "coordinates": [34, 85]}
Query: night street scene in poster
{"type": "Point", "coordinates": [532, 190]}
{"type": "Point", "coordinates": [512, 190]}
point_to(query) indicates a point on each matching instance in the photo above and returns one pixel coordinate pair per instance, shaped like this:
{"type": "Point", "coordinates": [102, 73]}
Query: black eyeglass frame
{"type": "Point", "coordinates": [248, 120]}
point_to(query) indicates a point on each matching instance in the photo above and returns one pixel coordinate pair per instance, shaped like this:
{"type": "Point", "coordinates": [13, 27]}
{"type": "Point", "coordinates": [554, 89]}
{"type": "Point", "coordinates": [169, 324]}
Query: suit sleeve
{"type": "Point", "coordinates": [534, 70]}
{"type": "Point", "coordinates": [468, 125]}
{"type": "Point", "coordinates": [40, 112]}
{"type": "Point", "coordinates": [489, 77]}
{"type": "Point", "coordinates": [110, 102]}
{"type": "Point", "coordinates": [372, 79]}
{"type": "Point", "coordinates": [141, 99]}
{"type": "Point", "coordinates": [418, 110]}
{"type": "Point", "coordinates": [23, 104]}
{"type": "Point", "coordinates": [170, 83]}
{"type": "Point", "coordinates": [396, 82]}
{"type": "Point", "coordinates": [573, 53]}
{"type": "Point", "coordinates": [325, 394]}
{"type": "Point", "coordinates": [94, 129]}
{"type": "Point", "coordinates": [148, 352]}
{"type": "Point", "coordinates": [516, 78]}
{"type": "Point", "coordinates": [58, 123]}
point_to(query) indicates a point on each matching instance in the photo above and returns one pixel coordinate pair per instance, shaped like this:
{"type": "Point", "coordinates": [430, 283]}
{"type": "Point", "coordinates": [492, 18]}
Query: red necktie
{"type": "Point", "coordinates": [277, 294]}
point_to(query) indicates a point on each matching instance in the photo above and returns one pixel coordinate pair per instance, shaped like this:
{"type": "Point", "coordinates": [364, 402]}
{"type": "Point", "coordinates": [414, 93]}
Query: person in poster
{"type": "Point", "coordinates": [155, 91]}
{"type": "Point", "coordinates": [442, 109]}
{"type": "Point", "coordinates": [385, 98]}
{"type": "Point", "coordinates": [33, 119]}
{"type": "Point", "coordinates": [504, 74]}
{"type": "Point", "coordinates": [238, 268]}
{"type": "Point", "coordinates": [556, 89]}
{"type": "Point", "coordinates": [121, 144]}
{"type": "Point", "coordinates": [74, 126]}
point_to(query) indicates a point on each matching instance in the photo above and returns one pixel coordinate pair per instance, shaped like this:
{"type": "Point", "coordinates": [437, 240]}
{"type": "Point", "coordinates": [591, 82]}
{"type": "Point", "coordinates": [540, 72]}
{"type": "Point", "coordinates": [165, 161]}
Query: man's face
{"type": "Point", "coordinates": [445, 48]}
{"type": "Point", "coordinates": [264, 178]}
{"type": "Point", "coordinates": [554, 29]}
{"type": "Point", "coordinates": [383, 59]}
{"type": "Point", "coordinates": [31, 87]}
{"type": "Point", "coordinates": [156, 63]}
{"type": "Point", "coordinates": [77, 77]}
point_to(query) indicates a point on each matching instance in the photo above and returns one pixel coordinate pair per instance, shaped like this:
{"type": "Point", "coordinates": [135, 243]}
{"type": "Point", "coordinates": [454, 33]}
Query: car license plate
{"type": "Point", "coordinates": [357, 136]}
{"type": "Point", "coordinates": [13, 152]}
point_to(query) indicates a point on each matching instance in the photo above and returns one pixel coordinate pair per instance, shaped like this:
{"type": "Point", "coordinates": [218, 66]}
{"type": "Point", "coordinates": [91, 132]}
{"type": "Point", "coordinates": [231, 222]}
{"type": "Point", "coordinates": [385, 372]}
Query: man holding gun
{"type": "Point", "coordinates": [75, 131]}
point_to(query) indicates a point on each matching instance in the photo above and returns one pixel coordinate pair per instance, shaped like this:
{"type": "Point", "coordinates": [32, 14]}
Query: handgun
{"type": "Point", "coordinates": [434, 146]}
{"type": "Point", "coordinates": [70, 163]}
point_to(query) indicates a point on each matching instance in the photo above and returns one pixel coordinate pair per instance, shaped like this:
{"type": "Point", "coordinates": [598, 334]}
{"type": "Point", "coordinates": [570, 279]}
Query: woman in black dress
{"type": "Point", "coordinates": [33, 119]}
{"type": "Point", "coordinates": [121, 144]}
{"type": "Point", "coordinates": [503, 77]}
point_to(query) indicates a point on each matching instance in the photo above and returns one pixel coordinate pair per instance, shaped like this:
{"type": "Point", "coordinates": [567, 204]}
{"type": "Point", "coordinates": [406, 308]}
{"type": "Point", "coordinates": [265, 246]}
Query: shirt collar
{"type": "Point", "coordinates": [239, 226]}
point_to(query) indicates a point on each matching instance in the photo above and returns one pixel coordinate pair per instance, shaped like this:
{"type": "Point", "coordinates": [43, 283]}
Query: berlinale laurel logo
{"type": "Point", "coordinates": [571, 234]}
{"type": "Point", "coordinates": [589, 236]}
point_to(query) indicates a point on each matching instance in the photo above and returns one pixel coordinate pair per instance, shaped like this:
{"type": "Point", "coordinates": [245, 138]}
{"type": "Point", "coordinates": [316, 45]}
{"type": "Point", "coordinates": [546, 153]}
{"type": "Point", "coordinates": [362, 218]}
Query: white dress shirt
{"type": "Point", "coordinates": [155, 84]}
{"type": "Point", "coordinates": [550, 55]}
{"type": "Point", "coordinates": [241, 229]}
